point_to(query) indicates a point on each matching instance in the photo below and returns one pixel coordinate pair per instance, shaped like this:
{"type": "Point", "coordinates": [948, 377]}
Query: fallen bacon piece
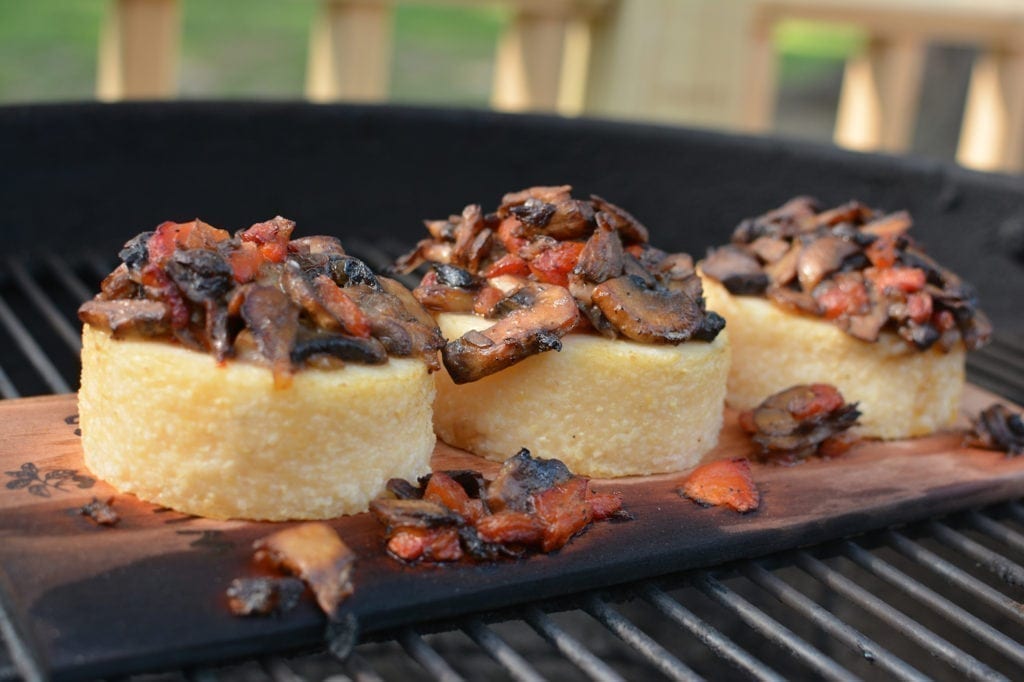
{"type": "Point", "coordinates": [996, 428]}
{"type": "Point", "coordinates": [723, 482]}
{"type": "Point", "coordinates": [263, 596]}
{"type": "Point", "coordinates": [801, 421]}
{"type": "Point", "coordinates": [314, 553]}
{"type": "Point", "coordinates": [101, 512]}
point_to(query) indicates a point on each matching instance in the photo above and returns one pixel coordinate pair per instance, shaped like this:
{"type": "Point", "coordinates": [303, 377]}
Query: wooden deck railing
{"type": "Point", "coordinates": [703, 62]}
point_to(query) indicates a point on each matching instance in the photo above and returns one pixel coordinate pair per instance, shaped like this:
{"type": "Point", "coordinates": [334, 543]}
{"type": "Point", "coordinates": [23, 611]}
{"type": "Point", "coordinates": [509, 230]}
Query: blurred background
{"type": "Point", "coordinates": [942, 79]}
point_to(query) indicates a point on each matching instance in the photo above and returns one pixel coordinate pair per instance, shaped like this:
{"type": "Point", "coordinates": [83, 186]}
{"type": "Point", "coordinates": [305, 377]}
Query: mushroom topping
{"type": "Point", "coordinates": [800, 421]}
{"type": "Point", "coordinates": [533, 503]}
{"type": "Point", "coordinates": [525, 331]}
{"type": "Point", "coordinates": [569, 265]}
{"type": "Point", "coordinates": [261, 297]}
{"type": "Point", "coordinates": [996, 428]}
{"type": "Point", "coordinates": [853, 266]}
{"type": "Point", "coordinates": [314, 553]}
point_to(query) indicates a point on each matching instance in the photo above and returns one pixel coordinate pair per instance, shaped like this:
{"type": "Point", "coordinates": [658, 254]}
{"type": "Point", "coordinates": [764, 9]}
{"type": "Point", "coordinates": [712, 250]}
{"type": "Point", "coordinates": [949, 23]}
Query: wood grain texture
{"type": "Point", "coordinates": [148, 593]}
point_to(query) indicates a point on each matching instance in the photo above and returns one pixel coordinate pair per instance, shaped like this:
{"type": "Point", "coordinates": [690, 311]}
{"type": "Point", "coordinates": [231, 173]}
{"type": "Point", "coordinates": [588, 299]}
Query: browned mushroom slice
{"type": "Point", "coordinates": [783, 271]}
{"type": "Point", "coordinates": [314, 553]}
{"type": "Point", "coordinates": [769, 249]}
{"type": "Point", "coordinates": [547, 195]}
{"type": "Point", "coordinates": [367, 351]}
{"type": "Point", "coordinates": [303, 294]}
{"type": "Point", "coordinates": [793, 299]}
{"type": "Point", "coordinates": [415, 513]}
{"type": "Point", "coordinates": [274, 322]}
{"type": "Point", "coordinates": [889, 225]}
{"type": "Point", "coordinates": [426, 250]}
{"type": "Point", "coordinates": [673, 267]}
{"type": "Point", "coordinates": [521, 476]}
{"type": "Point", "coordinates": [602, 257]}
{"type": "Point", "coordinates": [118, 284]}
{"type": "Point", "coordinates": [525, 331]}
{"type": "Point", "coordinates": [472, 238]}
{"type": "Point", "coordinates": [850, 212]}
{"type": "Point", "coordinates": [820, 258]}
{"type": "Point", "coordinates": [786, 221]}
{"type": "Point", "coordinates": [799, 419]}
{"type": "Point", "coordinates": [649, 315]}
{"type": "Point", "coordinates": [996, 428]}
{"type": "Point", "coordinates": [317, 244]}
{"type": "Point", "coordinates": [629, 228]}
{"type": "Point", "coordinates": [408, 301]}
{"type": "Point", "coordinates": [123, 316]}
{"type": "Point", "coordinates": [402, 332]}
{"type": "Point", "coordinates": [737, 270]}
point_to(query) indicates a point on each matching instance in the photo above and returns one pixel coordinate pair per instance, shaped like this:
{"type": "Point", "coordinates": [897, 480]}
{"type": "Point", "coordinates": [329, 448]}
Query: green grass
{"type": "Point", "coordinates": [809, 50]}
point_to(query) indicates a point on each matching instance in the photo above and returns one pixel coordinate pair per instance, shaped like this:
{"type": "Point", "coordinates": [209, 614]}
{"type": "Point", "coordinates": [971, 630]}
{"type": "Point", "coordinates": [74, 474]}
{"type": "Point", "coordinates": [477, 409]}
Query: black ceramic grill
{"type": "Point", "coordinates": [939, 599]}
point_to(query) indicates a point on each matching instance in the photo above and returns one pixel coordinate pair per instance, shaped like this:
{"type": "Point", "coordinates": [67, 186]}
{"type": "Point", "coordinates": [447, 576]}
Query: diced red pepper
{"type": "Point", "coordinates": [511, 527]}
{"type": "Point", "coordinates": [341, 306]}
{"type": "Point", "coordinates": [845, 297]}
{"type": "Point", "coordinates": [943, 320]}
{"type": "Point", "coordinates": [919, 306]}
{"type": "Point", "coordinates": [907, 280]}
{"type": "Point", "coordinates": [510, 234]}
{"type": "Point", "coordinates": [836, 445]}
{"type": "Point", "coordinates": [604, 505]}
{"type": "Point", "coordinates": [882, 252]}
{"type": "Point", "coordinates": [486, 299]}
{"type": "Point", "coordinates": [169, 236]}
{"type": "Point", "coordinates": [553, 265]}
{"type": "Point", "coordinates": [245, 262]}
{"type": "Point", "coordinates": [445, 490]}
{"type": "Point", "coordinates": [156, 279]}
{"type": "Point", "coordinates": [435, 544]}
{"type": "Point", "coordinates": [723, 482]}
{"type": "Point", "coordinates": [509, 264]}
{"type": "Point", "coordinates": [824, 398]}
{"type": "Point", "coordinates": [271, 237]}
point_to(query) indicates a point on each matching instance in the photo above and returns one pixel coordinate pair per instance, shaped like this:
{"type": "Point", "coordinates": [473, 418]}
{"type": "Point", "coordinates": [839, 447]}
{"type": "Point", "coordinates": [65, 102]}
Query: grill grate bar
{"type": "Point", "coordinates": [1016, 510]}
{"type": "Point", "coordinates": [53, 316]}
{"type": "Point", "coordinates": [1008, 537]}
{"type": "Point", "coordinates": [570, 647]}
{"type": "Point", "coordinates": [771, 629]}
{"type": "Point", "coordinates": [277, 669]}
{"type": "Point", "coordinates": [629, 633]}
{"type": "Point", "coordinates": [61, 269]}
{"type": "Point", "coordinates": [500, 650]}
{"type": "Point", "coordinates": [846, 634]}
{"type": "Point", "coordinates": [100, 265]}
{"type": "Point", "coordinates": [710, 636]}
{"type": "Point", "coordinates": [359, 669]}
{"type": "Point", "coordinates": [954, 575]}
{"type": "Point", "coordinates": [936, 602]}
{"type": "Point", "coordinates": [7, 388]}
{"type": "Point", "coordinates": [1007, 349]}
{"type": "Point", "coordinates": [31, 349]}
{"type": "Point", "coordinates": [425, 655]}
{"type": "Point", "coordinates": [924, 637]}
{"type": "Point", "coordinates": [1007, 570]}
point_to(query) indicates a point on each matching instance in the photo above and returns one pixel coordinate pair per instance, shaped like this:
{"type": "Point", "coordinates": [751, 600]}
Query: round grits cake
{"type": "Point", "coordinates": [176, 428]}
{"type": "Point", "coordinates": [605, 407]}
{"type": "Point", "coordinates": [902, 392]}
{"type": "Point", "coordinates": [254, 376]}
{"type": "Point", "coordinates": [637, 383]}
{"type": "Point", "coordinates": [846, 297]}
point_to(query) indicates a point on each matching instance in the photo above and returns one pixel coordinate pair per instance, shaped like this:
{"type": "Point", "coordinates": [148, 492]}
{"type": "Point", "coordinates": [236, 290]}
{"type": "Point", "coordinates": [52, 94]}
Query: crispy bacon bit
{"type": "Point", "coordinates": [263, 596]}
{"type": "Point", "coordinates": [801, 421]}
{"type": "Point", "coordinates": [996, 428]}
{"type": "Point", "coordinates": [725, 482]}
{"type": "Point", "coordinates": [853, 266]}
{"type": "Point", "coordinates": [264, 298]}
{"type": "Point", "coordinates": [101, 512]}
{"type": "Point", "coordinates": [585, 265]}
{"type": "Point", "coordinates": [532, 503]}
{"type": "Point", "coordinates": [314, 553]}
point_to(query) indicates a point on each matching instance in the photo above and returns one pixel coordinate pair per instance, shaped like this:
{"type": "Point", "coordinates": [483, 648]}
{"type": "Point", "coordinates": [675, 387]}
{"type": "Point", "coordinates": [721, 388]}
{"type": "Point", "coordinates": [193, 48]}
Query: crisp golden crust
{"type": "Point", "coordinates": [902, 392]}
{"type": "Point", "coordinates": [175, 428]}
{"type": "Point", "coordinates": [604, 407]}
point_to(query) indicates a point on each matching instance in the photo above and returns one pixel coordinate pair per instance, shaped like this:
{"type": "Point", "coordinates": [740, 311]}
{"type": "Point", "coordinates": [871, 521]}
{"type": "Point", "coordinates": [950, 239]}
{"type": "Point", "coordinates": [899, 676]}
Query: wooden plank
{"type": "Point", "coordinates": [350, 51]}
{"type": "Point", "coordinates": [138, 53]}
{"type": "Point", "coordinates": [992, 134]}
{"type": "Point", "coordinates": [149, 592]}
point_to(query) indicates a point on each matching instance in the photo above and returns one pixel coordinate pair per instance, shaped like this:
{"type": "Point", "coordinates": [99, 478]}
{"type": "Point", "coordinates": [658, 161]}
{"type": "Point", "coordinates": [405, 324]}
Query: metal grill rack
{"type": "Point", "coordinates": [941, 599]}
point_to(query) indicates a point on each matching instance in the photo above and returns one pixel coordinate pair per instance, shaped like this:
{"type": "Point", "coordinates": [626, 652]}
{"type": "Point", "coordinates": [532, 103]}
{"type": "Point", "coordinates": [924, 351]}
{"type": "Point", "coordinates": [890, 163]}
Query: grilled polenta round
{"type": "Point", "coordinates": [605, 407]}
{"type": "Point", "coordinates": [176, 428]}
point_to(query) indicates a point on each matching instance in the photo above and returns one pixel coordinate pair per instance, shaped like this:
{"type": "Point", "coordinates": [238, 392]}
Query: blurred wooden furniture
{"type": "Point", "coordinates": [698, 62]}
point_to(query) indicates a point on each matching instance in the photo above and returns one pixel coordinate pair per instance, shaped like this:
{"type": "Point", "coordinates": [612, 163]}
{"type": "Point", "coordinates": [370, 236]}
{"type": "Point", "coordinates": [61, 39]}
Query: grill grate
{"type": "Point", "coordinates": [939, 599]}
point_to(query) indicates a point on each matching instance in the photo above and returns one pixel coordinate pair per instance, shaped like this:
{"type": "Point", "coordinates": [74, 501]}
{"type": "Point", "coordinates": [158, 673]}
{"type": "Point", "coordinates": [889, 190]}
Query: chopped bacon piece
{"type": "Point", "coordinates": [724, 482]}
{"type": "Point", "coordinates": [553, 265]}
{"type": "Point", "coordinates": [509, 264]}
{"type": "Point", "coordinates": [314, 553]}
{"type": "Point", "coordinates": [907, 280]}
{"type": "Point", "coordinates": [511, 527]}
{"type": "Point", "coordinates": [436, 544]}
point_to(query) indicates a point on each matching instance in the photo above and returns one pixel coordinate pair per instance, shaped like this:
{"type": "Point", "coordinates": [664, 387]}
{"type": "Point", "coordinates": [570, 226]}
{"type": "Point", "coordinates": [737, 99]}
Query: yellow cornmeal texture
{"type": "Point", "coordinates": [604, 407]}
{"type": "Point", "coordinates": [174, 428]}
{"type": "Point", "coordinates": [902, 392]}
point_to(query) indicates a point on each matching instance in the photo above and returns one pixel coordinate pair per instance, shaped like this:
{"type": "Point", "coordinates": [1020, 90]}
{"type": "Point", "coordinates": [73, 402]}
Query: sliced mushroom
{"type": "Point", "coordinates": [629, 228]}
{"type": "Point", "coordinates": [783, 271]}
{"type": "Point", "coordinates": [602, 257]}
{"type": "Point", "coordinates": [889, 225]}
{"type": "Point", "coordinates": [123, 316]}
{"type": "Point", "coordinates": [317, 244]}
{"type": "Point", "coordinates": [118, 284]}
{"type": "Point", "coordinates": [413, 513]}
{"type": "Point", "coordinates": [274, 322]}
{"type": "Point", "coordinates": [769, 249]}
{"type": "Point", "coordinates": [820, 258]}
{"type": "Point", "coordinates": [520, 477]}
{"type": "Point", "coordinates": [648, 315]}
{"type": "Point", "coordinates": [523, 332]}
{"type": "Point", "coordinates": [549, 195]}
{"type": "Point", "coordinates": [366, 351]}
{"type": "Point", "coordinates": [997, 428]}
{"type": "Point", "coordinates": [737, 270]}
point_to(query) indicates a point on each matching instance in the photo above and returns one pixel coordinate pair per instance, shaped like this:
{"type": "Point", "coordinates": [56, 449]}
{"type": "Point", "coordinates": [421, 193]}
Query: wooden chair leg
{"type": "Point", "coordinates": [139, 43]}
{"type": "Point", "coordinates": [879, 100]}
{"type": "Point", "coordinates": [350, 51]}
{"type": "Point", "coordinates": [761, 82]}
{"type": "Point", "coordinates": [991, 137]}
{"type": "Point", "coordinates": [528, 67]}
